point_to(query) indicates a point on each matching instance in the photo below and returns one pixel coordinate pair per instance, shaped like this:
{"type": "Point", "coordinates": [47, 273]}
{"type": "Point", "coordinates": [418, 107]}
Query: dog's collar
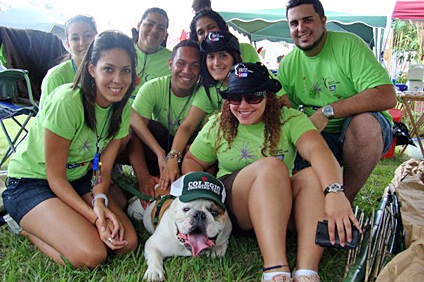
{"type": "Point", "coordinates": [161, 206]}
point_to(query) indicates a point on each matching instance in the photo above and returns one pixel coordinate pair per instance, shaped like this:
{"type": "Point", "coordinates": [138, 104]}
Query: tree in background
{"type": "Point", "coordinates": [408, 45]}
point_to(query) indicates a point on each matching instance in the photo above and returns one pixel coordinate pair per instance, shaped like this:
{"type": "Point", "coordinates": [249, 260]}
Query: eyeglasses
{"type": "Point", "coordinates": [251, 98]}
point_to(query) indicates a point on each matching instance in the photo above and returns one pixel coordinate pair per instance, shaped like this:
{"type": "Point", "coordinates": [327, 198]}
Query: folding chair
{"type": "Point", "coordinates": [11, 107]}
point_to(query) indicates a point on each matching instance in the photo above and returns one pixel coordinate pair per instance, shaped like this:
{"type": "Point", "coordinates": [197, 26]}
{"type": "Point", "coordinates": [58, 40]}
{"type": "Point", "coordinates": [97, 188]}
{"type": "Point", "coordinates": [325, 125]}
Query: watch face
{"type": "Point", "coordinates": [328, 111]}
{"type": "Point", "coordinates": [335, 187]}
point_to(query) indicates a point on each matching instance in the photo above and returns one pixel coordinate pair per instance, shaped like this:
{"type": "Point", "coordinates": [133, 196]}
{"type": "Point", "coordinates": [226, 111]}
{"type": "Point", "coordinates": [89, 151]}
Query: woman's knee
{"type": "Point", "coordinates": [271, 166]}
{"type": "Point", "coordinates": [306, 181]}
{"type": "Point", "coordinates": [131, 246]}
{"type": "Point", "coordinates": [87, 256]}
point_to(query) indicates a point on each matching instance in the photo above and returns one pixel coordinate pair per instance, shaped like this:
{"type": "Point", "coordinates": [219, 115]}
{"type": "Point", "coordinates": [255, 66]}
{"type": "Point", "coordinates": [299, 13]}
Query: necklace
{"type": "Point", "coordinates": [141, 73]}
{"type": "Point", "coordinates": [170, 123]}
{"type": "Point", "coordinates": [96, 178]}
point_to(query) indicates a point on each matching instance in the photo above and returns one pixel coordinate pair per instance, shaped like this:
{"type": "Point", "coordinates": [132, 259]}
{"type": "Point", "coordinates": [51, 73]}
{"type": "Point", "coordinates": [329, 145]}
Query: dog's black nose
{"type": "Point", "coordinates": [199, 215]}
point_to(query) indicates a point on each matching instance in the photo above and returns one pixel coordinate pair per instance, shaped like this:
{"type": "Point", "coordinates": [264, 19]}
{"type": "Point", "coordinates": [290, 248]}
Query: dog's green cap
{"type": "Point", "coordinates": [199, 185]}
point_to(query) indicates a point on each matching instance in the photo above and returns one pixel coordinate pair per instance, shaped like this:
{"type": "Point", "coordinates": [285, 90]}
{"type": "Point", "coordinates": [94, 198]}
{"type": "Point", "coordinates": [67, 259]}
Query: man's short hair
{"type": "Point", "coordinates": [319, 9]}
{"type": "Point", "coordinates": [185, 43]}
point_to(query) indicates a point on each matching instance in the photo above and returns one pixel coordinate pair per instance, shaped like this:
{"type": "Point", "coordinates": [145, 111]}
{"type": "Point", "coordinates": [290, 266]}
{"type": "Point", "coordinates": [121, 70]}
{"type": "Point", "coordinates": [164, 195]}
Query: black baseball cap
{"type": "Point", "coordinates": [220, 40]}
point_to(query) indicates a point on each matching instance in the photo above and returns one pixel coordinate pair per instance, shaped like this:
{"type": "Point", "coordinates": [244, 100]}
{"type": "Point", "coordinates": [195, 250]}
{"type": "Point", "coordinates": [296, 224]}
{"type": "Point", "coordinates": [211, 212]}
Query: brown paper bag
{"type": "Point", "coordinates": [408, 266]}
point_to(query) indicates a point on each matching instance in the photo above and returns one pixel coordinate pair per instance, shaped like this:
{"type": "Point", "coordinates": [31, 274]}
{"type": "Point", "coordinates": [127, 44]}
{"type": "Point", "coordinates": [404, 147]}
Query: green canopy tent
{"type": "Point", "coordinates": [271, 24]}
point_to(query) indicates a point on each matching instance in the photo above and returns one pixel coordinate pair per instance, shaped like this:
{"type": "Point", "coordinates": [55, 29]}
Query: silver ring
{"type": "Point", "coordinates": [110, 240]}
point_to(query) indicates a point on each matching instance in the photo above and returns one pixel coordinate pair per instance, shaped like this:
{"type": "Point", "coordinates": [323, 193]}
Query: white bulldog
{"type": "Point", "coordinates": [196, 222]}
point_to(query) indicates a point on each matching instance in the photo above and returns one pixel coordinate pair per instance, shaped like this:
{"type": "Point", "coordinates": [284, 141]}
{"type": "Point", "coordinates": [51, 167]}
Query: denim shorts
{"type": "Point", "coordinates": [335, 140]}
{"type": "Point", "coordinates": [22, 195]}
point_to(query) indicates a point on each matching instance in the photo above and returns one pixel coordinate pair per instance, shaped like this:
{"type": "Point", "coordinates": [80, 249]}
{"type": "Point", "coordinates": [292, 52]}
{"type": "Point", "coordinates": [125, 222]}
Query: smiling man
{"type": "Point", "coordinates": [158, 109]}
{"type": "Point", "coordinates": [340, 85]}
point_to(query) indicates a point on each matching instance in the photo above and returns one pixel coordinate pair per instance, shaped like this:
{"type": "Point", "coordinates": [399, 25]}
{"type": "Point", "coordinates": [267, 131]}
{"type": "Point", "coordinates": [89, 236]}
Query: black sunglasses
{"type": "Point", "coordinates": [250, 98]}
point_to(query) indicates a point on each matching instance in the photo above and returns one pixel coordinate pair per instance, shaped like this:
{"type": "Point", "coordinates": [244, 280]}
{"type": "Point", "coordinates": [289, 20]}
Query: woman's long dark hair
{"type": "Point", "coordinates": [102, 43]}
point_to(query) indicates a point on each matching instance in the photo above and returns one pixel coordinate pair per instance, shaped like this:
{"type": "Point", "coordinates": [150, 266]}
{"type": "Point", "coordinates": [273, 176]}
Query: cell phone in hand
{"type": "Point", "coordinates": [322, 238]}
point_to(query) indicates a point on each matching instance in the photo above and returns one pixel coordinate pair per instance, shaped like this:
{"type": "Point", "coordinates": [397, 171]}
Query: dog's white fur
{"type": "Point", "coordinates": [164, 241]}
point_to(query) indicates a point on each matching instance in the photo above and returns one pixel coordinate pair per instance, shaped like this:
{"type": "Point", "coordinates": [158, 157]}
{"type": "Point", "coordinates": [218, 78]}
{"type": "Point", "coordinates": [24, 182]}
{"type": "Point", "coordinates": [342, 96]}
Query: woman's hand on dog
{"type": "Point", "coordinates": [147, 187]}
{"type": "Point", "coordinates": [169, 174]}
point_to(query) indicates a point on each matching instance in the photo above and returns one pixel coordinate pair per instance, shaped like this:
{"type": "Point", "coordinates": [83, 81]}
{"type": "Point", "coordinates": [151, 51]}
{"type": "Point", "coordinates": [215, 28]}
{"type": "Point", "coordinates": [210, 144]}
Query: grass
{"type": "Point", "coordinates": [21, 261]}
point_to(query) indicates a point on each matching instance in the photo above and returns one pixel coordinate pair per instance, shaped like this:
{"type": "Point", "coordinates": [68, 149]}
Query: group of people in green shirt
{"type": "Point", "coordinates": [209, 105]}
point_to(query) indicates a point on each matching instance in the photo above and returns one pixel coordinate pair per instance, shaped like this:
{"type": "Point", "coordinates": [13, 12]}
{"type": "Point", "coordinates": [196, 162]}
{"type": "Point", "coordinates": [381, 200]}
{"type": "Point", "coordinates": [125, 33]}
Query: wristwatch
{"type": "Point", "coordinates": [328, 111]}
{"type": "Point", "coordinates": [333, 188]}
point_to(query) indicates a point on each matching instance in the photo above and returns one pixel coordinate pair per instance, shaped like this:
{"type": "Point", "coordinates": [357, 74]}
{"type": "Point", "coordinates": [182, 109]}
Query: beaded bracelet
{"type": "Point", "coordinates": [174, 154]}
{"type": "Point", "coordinates": [100, 195]}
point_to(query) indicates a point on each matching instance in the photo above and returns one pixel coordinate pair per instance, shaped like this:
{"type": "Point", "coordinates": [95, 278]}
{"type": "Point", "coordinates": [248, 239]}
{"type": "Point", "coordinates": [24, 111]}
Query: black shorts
{"type": "Point", "coordinates": [228, 181]}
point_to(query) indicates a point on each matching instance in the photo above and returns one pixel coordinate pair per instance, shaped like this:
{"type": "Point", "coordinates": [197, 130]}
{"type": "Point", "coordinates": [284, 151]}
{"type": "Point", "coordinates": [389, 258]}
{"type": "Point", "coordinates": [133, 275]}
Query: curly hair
{"type": "Point", "coordinates": [228, 124]}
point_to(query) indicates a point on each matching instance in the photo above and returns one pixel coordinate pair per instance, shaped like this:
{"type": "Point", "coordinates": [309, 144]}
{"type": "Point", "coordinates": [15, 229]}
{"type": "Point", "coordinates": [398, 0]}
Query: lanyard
{"type": "Point", "coordinates": [96, 178]}
{"type": "Point", "coordinates": [74, 65]}
{"type": "Point", "coordinates": [170, 123]}
{"type": "Point", "coordinates": [217, 89]}
{"type": "Point", "coordinates": [140, 74]}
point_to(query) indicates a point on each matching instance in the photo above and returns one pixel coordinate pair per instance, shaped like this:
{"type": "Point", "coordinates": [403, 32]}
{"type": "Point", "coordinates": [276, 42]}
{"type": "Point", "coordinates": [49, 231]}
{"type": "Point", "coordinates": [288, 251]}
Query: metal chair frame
{"type": "Point", "coordinates": [11, 108]}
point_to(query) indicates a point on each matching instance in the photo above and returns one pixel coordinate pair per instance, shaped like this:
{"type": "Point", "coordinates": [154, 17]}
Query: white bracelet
{"type": "Point", "coordinates": [100, 195]}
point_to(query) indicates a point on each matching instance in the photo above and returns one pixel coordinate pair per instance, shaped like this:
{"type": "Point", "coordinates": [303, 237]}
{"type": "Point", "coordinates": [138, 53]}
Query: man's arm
{"type": "Point", "coordinates": [376, 99]}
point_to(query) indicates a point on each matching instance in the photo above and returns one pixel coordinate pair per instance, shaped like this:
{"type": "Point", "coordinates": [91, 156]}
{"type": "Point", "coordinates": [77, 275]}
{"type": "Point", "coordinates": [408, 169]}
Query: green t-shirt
{"type": "Point", "coordinates": [209, 104]}
{"type": "Point", "coordinates": [344, 67]}
{"type": "Point", "coordinates": [151, 66]}
{"type": "Point", "coordinates": [56, 76]}
{"type": "Point", "coordinates": [248, 53]}
{"type": "Point", "coordinates": [152, 102]}
{"type": "Point", "coordinates": [247, 145]}
{"type": "Point", "coordinates": [63, 114]}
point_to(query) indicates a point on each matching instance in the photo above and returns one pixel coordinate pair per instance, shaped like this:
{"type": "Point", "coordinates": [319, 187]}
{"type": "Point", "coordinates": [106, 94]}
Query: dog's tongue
{"type": "Point", "coordinates": [198, 242]}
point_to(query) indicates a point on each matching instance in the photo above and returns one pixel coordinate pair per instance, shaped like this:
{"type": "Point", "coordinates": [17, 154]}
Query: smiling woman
{"type": "Point", "coordinates": [80, 30]}
{"type": "Point", "coordinates": [59, 177]}
{"type": "Point", "coordinates": [152, 57]}
{"type": "Point", "coordinates": [112, 75]}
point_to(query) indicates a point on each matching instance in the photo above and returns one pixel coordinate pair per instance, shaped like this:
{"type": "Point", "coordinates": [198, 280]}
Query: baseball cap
{"type": "Point", "coordinates": [199, 185]}
{"type": "Point", "coordinates": [247, 78]}
{"type": "Point", "coordinates": [219, 40]}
